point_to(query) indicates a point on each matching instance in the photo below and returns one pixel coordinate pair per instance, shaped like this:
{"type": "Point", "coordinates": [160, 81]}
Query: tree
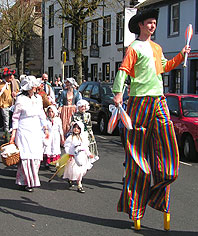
{"type": "Point", "coordinates": [17, 24]}
{"type": "Point", "coordinates": [76, 12]}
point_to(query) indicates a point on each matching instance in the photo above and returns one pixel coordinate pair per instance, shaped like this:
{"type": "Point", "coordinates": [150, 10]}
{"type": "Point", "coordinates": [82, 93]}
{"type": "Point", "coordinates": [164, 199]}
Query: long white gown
{"type": "Point", "coordinates": [72, 170]}
{"type": "Point", "coordinates": [28, 119]}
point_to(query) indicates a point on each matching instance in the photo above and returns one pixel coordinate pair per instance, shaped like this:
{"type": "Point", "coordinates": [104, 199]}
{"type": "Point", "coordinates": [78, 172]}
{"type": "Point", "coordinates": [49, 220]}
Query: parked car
{"type": "Point", "coordinates": [184, 114]}
{"type": "Point", "coordinates": [100, 96]}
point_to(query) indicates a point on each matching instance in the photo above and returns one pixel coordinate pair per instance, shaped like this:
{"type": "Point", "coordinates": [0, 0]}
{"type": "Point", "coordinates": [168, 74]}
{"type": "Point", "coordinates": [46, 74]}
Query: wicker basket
{"type": "Point", "coordinates": [10, 160]}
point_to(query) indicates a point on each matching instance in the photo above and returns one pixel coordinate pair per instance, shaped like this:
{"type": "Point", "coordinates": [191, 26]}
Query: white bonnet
{"type": "Point", "coordinates": [81, 125]}
{"type": "Point", "coordinates": [70, 80]}
{"type": "Point", "coordinates": [22, 77]}
{"type": "Point", "coordinates": [54, 109]}
{"type": "Point", "coordinates": [82, 102]}
{"type": "Point", "coordinates": [28, 82]}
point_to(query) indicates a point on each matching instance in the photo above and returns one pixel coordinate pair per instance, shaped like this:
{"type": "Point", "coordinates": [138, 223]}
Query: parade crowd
{"type": "Point", "coordinates": [39, 125]}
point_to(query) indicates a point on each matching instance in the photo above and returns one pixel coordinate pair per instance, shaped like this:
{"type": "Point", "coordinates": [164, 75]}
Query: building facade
{"type": "Point", "coordinates": [31, 61]}
{"type": "Point", "coordinates": [103, 42]}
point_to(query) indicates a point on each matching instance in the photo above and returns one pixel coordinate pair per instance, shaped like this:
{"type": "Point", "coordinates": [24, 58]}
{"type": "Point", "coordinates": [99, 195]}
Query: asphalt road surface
{"type": "Point", "coordinates": [54, 210]}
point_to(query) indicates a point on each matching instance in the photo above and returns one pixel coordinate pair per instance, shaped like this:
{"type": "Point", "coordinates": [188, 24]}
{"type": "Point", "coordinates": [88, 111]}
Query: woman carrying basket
{"type": "Point", "coordinates": [29, 122]}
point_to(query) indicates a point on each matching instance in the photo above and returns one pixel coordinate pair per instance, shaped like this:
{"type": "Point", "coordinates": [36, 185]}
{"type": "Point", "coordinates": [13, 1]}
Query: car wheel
{"type": "Point", "coordinates": [188, 149]}
{"type": "Point", "coordinates": [102, 124]}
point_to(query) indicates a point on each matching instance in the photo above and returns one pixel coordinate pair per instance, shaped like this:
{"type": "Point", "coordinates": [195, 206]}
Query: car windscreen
{"type": "Point", "coordinates": [190, 106]}
{"type": "Point", "coordinates": [108, 93]}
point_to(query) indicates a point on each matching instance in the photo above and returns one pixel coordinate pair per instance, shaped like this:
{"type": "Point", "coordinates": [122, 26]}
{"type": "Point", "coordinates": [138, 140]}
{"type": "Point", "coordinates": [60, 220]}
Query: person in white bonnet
{"type": "Point", "coordinates": [84, 116]}
{"type": "Point", "coordinates": [67, 103]}
{"type": "Point", "coordinates": [29, 126]}
{"type": "Point", "coordinates": [76, 145]}
{"type": "Point", "coordinates": [52, 150]}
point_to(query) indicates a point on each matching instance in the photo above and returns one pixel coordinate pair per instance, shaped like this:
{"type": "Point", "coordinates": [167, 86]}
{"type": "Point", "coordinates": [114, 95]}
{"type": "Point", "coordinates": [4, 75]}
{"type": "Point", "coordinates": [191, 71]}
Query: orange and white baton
{"type": "Point", "coordinates": [188, 37]}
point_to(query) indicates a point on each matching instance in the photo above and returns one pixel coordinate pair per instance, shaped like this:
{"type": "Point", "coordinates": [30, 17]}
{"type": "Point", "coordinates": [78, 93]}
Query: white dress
{"type": "Point", "coordinates": [55, 130]}
{"type": "Point", "coordinates": [73, 170]}
{"type": "Point", "coordinates": [29, 118]}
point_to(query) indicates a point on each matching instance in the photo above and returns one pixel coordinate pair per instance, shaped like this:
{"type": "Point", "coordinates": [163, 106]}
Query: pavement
{"type": "Point", "coordinates": [55, 210]}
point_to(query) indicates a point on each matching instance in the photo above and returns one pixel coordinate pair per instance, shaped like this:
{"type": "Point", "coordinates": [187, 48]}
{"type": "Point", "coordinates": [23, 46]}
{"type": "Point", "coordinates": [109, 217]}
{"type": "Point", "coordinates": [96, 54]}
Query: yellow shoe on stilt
{"type": "Point", "coordinates": [166, 221]}
{"type": "Point", "coordinates": [137, 224]}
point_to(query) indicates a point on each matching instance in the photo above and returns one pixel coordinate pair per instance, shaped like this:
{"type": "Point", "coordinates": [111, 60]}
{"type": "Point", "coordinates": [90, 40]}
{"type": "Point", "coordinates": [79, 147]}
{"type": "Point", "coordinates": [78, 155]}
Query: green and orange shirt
{"type": "Point", "coordinates": [144, 62]}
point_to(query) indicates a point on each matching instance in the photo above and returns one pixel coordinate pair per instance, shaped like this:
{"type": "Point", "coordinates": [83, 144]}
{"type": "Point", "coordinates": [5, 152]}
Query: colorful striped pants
{"type": "Point", "coordinates": [151, 148]}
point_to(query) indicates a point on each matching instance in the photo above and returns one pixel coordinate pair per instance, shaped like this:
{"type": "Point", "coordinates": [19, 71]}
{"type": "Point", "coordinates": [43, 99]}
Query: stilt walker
{"type": "Point", "coordinates": [151, 147]}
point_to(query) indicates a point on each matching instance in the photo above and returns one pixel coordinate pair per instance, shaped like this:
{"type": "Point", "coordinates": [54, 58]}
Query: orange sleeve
{"type": "Point", "coordinates": [173, 63]}
{"type": "Point", "coordinates": [129, 61]}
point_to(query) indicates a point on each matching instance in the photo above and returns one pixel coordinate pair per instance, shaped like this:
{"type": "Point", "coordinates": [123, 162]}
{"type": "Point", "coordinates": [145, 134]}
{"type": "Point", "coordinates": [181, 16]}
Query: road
{"type": "Point", "coordinates": [54, 210]}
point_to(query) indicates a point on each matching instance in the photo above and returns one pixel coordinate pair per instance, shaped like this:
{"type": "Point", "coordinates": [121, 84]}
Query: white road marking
{"type": "Point", "coordinates": [184, 163]}
{"type": "Point", "coordinates": [101, 137]}
{"type": "Point", "coordinates": [115, 141]}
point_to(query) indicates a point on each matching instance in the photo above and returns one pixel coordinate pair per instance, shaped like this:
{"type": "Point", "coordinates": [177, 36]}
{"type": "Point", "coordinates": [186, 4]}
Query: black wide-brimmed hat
{"type": "Point", "coordinates": [140, 17]}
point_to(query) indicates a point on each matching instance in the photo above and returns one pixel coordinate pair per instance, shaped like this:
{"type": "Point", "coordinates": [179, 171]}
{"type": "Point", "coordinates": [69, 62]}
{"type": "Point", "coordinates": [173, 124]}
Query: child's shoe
{"type": "Point", "coordinates": [71, 185]}
{"type": "Point", "coordinates": [81, 190]}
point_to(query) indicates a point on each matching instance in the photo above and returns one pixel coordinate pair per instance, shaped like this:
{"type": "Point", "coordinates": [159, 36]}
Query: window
{"type": "Point", "coordinates": [94, 72]}
{"type": "Point", "coordinates": [51, 16]}
{"type": "Point", "coordinates": [87, 92]}
{"type": "Point", "coordinates": [196, 17]}
{"type": "Point", "coordinates": [95, 91]}
{"type": "Point", "coordinates": [173, 104]}
{"type": "Point", "coordinates": [84, 33]}
{"type": "Point", "coordinates": [107, 30]}
{"type": "Point", "coordinates": [119, 28]}
{"type": "Point", "coordinates": [71, 71]}
{"type": "Point", "coordinates": [66, 73]}
{"type": "Point", "coordinates": [106, 71]}
{"type": "Point", "coordinates": [117, 66]}
{"type": "Point", "coordinates": [174, 19]}
{"type": "Point", "coordinates": [51, 47]}
{"type": "Point", "coordinates": [175, 83]}
{"type": "Point", "coordinates": [73, 38]}
{"type": "Point", "coordinates": [50, 73]}
{"type": "Point", "coordinates": [94, 32]}
{"type": "Point", "coordinates": [66, 41]}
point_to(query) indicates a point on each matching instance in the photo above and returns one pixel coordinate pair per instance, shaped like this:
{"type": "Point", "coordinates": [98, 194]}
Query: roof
{"type": "Point", "coordinates": [148, 2]}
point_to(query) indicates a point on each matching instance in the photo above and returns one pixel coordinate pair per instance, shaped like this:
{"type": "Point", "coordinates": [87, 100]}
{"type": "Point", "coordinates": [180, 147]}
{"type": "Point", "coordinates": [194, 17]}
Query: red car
{"type": "Point", "coordinates": [184, 114]}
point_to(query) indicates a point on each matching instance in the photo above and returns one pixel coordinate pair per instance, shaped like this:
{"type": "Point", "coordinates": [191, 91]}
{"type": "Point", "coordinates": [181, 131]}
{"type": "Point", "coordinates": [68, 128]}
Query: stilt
{"type": "Point", "coordinates": [166, 221]}
{"type": "Point", "coordinates": [137, 224]}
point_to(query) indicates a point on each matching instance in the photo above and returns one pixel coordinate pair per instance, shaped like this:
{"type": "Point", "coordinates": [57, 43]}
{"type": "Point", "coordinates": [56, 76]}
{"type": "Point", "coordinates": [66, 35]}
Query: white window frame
{"type": "Point", "coordinates": [107, 30]}
{"type": "Point", "coordinates": [174, 20]}
{"type": "Point", "coordinates": [119, 27]}
{"type": "Point", "coordinates": [84, 33]}
{"type": "Point", "coordinates": [51, 46]}
{"type": "Point", "coordinates": [94, 32]}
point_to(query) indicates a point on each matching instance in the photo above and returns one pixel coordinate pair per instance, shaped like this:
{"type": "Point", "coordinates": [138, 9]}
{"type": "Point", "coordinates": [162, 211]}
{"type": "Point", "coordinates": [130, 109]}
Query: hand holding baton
{"type": "Point", "coordinates": [188, 36]}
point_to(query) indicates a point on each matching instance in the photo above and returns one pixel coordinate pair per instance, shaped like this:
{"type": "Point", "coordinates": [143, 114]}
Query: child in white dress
{"type": "Point", "coordinates": [52, 150]}
{"type": "Point", "coordinates": [83, 115]}
{"type": "Point", "coordinates": [77, 146]}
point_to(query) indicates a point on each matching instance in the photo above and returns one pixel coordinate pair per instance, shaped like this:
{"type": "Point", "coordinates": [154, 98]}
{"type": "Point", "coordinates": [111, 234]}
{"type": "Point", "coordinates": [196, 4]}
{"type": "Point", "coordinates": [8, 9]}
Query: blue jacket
{"type": "Point", "coordinates": [63, 98]}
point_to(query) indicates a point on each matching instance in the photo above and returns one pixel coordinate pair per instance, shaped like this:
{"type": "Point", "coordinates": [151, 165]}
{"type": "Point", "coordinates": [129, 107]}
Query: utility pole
{"type": "Point", "coordinates": [124, 5]}
{"type": "Point", "coordinates": [63, 47]}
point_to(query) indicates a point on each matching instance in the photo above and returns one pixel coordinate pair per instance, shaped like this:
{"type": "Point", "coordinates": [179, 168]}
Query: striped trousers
{"type": "Point", "coordinates": [151, 149]}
